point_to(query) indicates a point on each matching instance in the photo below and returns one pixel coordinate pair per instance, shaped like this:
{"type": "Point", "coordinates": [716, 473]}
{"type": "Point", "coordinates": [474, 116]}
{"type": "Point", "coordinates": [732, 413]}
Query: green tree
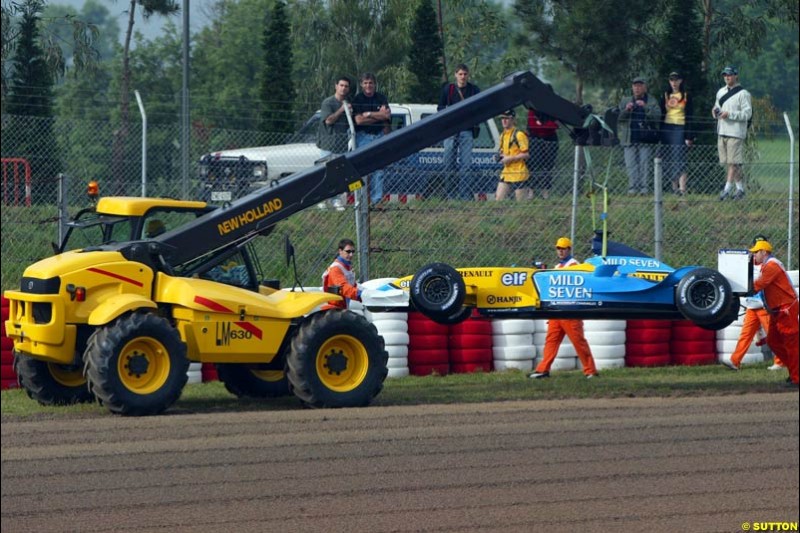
{"type": "Point", "coordinates": [598, 42]}
{"type": "Point", "coordinates": [278, 91]}
{"type": "Point", "coordinates": [681, 49]}
{"type": "Point", "coordinates": [120, 169]}
{"type": "Point", "coordinates": [425, 55]}
{"type": "Point", "coordinates": [28, 132]}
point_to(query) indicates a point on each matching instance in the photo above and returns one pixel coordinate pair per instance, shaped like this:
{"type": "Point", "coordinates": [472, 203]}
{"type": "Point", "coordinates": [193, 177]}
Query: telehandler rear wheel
{"type": "Point", "coordinates": [51, 383]}
{"type": "Point", "coordinates": [251, 381]}
{"type": "Point", "coordinates": [337, 359]}
{"type": "Point", "coordinates": [136, 365]}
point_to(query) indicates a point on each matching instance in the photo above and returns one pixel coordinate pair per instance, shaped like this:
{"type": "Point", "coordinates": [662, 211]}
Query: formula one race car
{"type": "Point", "coordinates": [612, 287]}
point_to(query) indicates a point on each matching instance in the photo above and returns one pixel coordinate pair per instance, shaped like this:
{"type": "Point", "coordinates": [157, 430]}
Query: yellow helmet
{"type": "Point", "coordinates": [563, 242]}
{"type": "Point", "coordinates": [761, 244]}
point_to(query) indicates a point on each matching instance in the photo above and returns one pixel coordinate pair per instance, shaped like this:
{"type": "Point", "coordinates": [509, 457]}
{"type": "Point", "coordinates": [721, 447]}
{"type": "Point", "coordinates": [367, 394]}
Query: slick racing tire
{"type": "Point", "coordinates": [454, 318]}
{"type": "Point", "coordinates": [51, 383]}
{"type": "Point", "coordinates": [704, 296]}
{"type": "Point", "coordinates": [726, 319]}
{"type": "Point", "coordinates": [136, 365]}
{"type": "Point", "coordinates": [438, 291]}
{"type": "Point", "coordinates": [253, 380]}
{"type": "Point", "coordinates": [337, 359]}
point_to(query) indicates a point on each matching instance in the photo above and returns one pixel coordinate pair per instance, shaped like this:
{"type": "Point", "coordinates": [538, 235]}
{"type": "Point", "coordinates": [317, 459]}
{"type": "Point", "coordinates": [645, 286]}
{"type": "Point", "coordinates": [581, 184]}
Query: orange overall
{"type": "Point", "coordinates": [556, 329]}
{"type": "Point", "coordinates": [753, 320]}
{"type": "Point", "coordinates": [781, 302]}
{"type": "Point", "coordinates": [340, 274]}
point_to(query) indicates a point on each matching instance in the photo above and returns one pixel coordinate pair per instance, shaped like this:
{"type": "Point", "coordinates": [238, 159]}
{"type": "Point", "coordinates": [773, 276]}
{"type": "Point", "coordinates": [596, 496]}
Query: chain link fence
{"type": "Point", "coordinates": [417, 221]}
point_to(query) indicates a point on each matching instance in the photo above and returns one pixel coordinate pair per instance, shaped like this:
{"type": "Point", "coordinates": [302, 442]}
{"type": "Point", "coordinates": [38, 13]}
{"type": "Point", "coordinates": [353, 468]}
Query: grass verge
{"type": "Point", "coordinates": [666, 382]}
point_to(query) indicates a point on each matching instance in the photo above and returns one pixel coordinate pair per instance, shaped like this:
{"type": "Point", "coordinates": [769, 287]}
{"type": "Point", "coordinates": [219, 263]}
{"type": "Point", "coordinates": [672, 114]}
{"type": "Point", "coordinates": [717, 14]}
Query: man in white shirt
{"type": "Point", "coordinates": [733, 111]}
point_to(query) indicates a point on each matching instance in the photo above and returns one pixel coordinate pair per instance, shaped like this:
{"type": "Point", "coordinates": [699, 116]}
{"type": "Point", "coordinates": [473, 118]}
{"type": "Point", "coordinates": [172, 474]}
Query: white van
{"type": "Point", "coordinates": [232, 173]}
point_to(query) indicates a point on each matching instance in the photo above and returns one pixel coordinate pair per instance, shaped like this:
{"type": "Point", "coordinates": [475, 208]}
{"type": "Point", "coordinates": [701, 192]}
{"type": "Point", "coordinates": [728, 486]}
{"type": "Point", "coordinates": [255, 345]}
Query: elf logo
{"type": "Point", "coordinates": [514, 279]}
{"type": "Point", "coordinates": [225, 334]}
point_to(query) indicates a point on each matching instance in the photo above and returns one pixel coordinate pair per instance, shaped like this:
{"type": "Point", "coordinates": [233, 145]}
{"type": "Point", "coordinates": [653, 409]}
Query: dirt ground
{"type": "Point", "coordinates": [626, 464]}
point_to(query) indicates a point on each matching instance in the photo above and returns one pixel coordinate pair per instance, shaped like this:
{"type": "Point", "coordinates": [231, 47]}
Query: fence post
{"type": "Point", "coordinates": [144, 142]}
{"type": "Point", "coordinates": [658, 200]}
{"type": "Point", "coordinates": [63, 211]}
{"type": "Point", "coordinates": [362, 231]}
{"type": "Point", "coordinates": [791, 188]}
{"type": "Point", "coordinates": [575, 176]}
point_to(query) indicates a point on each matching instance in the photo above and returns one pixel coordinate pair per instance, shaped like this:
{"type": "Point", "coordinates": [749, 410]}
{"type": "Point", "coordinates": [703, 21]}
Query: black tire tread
{"type": "Point", "coordinates": [33, 376]}
{"type": "Point", "coordinates": [300, 362]}
{"type": "Point", "coordinates": [100, 365]}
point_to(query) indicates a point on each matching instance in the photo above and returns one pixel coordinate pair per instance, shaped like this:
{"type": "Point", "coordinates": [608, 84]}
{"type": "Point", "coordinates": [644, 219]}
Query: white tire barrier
{"type": "Point", "coordinates": [560, 363]}
{"type": "Point", "coordinates": [520, 339]}
{"type": "Point", "coordinates": [512, 326]}
{"type": "Point", "coordinates": [604, 325]}
{"type": "Point", "coordinates": [395, 350]}
{"type": "Point", "coordinates": [605, 338]}
{"type": "Point", "coordinates": [525, 366]}
{"type": "Point", "coordinates": [390, 325]}
{"type": "Point", "coordinates": [396, 339]}
{"type": "Point", "coordinates": [513, 353]}
{"type": "Point", "coordinates": [397, 372]}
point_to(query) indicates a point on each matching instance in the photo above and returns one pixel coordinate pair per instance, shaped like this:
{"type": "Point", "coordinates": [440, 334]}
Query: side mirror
{"type": "Point", "coordinates": [288, 250]}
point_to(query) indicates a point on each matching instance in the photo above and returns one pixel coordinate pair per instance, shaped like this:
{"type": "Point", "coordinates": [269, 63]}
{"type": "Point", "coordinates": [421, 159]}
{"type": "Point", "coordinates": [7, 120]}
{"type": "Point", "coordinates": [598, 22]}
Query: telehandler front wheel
{"type": "Point", "coordinates": [136, 365]}
{"type": "Point", "coordinates": [337, 359]}
{"type": "Point", "coordinates": [253, 381]}
{"type": "Point", "coordinates": [51, 383]}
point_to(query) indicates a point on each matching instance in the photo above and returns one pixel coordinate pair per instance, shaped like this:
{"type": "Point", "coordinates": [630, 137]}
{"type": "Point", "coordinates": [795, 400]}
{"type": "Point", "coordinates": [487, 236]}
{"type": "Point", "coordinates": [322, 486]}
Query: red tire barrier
{"type": "Point", "coordinates": [9, 383]}
{"type": "Point", "coordinates": [467, 368]}
{"type": "Point", "coordinates": [469, 341]}
{"type": "Point", "coordinates": [649, 336]}
{"type": "Point", "coordinates": [6, 344]}
{"type": "Point", "coordinates": [427, 327]}
{"type": "Point", "coordinates": [438, 356]}
{"type": "Point", "coordinates": [428, 342]}
{"type": "Point", "coordinates": [426, 370]}
{"type": "Point", "coordinates": [472, 327]}
{"type": "Point", "coordinates": [648, 324]}
{"type": "Point", "coordinates": [208, 372]}
{"type": "Point", "coordinates": [470, 355]}
{"type": "Point", "coordinates": [686, 330]}
{"type": "Point", "coordinates": [700, 347]}
{"type": "Point", "coordinates": [638, 349]}
{"type": "Point", "coordinates": [653, 360]}
{"type": "Point", "coordinates": [694, 359]}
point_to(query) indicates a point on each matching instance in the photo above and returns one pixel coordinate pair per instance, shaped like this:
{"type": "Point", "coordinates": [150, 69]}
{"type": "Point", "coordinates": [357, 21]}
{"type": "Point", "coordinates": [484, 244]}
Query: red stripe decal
{"type": "Point", "coordinates": [116, 276]}
{"type": "Point", "coordinates": [247, 326]}
{"type": "Point", "coordinates": [214, 306]}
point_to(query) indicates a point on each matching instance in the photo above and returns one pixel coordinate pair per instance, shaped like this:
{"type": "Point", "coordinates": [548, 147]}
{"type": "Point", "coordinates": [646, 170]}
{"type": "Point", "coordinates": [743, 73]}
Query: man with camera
{"type": "Point", "coordinates": [733, 111]}
{"type": "Point", "coordinates": [637, 125]}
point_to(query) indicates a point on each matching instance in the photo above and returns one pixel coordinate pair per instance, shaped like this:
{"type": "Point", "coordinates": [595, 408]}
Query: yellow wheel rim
{"type": "Point", "coordinates": [268, 375]}
{"type": "Point", "coordinates": [342, 363]}
{"type": "Point", "coordinates": [65, 375]}
{"type": "Point", "coordinates": [143, 365]}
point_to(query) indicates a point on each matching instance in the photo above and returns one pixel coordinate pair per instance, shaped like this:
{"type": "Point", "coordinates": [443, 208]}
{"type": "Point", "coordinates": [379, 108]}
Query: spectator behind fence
{"type": "Point", "coordinates": [334, 130]}
{"type": "Point", "coordinates": [543, 150]}
{"type": "Point", "coordinates": [637, 126]}
{"type": "Point", "coordinates": [458, 148]}
{"type": "Point", "coordinates": [733, 111]}
{"type": "Point", "coordinates": [372, 116]}
{"type": "Point", "coordinates": [513, 153]}
{"type": "Point", "coordinates": [677, 133]}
